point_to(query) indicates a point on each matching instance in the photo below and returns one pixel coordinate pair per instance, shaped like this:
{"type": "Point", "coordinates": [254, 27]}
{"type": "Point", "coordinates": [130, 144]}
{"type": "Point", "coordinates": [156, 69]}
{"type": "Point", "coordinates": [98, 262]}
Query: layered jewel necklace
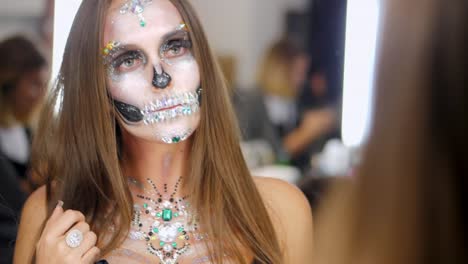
{"type": "Point", "coordinates": [171, 223]}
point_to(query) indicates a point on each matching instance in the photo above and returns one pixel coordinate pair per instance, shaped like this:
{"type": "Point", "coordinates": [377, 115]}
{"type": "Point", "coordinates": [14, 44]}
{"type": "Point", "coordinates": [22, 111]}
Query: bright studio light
{"type": "Point", "coordinates": [362, 24]}
{"type": "Point", "coordinates": [65, 11]}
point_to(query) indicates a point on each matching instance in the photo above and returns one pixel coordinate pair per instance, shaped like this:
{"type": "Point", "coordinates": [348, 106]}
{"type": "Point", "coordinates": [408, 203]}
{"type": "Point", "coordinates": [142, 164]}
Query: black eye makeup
{"type": "Point", "coordinates": [175, 45]}
{"type": "Point", "coordinates": [128, 61]}
{"type": "Point", "coordinates": [120, 59]}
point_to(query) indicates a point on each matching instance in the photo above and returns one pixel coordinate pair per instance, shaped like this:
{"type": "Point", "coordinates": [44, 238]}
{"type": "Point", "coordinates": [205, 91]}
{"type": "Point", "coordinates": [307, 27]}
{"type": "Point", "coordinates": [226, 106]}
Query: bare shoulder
{"type": "Point", "coordinates": [36, 205]}
{"type": "Point", "coordinates": [282, 197]}
{"type": "Point", "coordinates": [291, 215]}
{"type": "Point", "coordinates": [33, 216]}
{"type": "Point", "coordinates": [271, 188]}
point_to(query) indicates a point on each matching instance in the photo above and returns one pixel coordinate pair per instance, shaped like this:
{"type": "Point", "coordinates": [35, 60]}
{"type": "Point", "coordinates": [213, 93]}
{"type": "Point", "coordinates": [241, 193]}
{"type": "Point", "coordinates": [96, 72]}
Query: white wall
{"type": "Point", "coordinates": [21, 7]}
{"type": "Point", "coordinates": [20, 16]}
{"type": "Point", "coordinates": [245, 29]}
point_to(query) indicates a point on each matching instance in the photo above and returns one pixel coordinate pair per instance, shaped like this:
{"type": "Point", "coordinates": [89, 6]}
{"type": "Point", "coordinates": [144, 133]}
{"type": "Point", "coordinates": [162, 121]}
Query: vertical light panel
{"type": "Point", "coordinates": [65, 11]}
{"type": "Point", "coordinates": [362, 24]}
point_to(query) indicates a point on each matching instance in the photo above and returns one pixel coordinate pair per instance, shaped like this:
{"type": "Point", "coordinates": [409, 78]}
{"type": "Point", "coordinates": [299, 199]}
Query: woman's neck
{"type": "Point", "coordinates": [162, 163]}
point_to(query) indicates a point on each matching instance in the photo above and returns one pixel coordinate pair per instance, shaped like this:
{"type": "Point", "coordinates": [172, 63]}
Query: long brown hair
{"type": "Point", "coordinates": [408, 203]}
{"type": "Point", "coordinates": [78, 148]}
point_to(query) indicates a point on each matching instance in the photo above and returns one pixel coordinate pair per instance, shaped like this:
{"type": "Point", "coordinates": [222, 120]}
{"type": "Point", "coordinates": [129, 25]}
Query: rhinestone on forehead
{"type": "Point", "coordinates": [137, 7]}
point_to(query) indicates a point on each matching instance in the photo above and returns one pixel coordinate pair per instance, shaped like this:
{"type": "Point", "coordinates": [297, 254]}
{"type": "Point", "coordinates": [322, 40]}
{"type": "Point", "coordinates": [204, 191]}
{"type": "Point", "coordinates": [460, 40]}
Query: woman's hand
{"type": "Point", "coordinates": [52, 246]}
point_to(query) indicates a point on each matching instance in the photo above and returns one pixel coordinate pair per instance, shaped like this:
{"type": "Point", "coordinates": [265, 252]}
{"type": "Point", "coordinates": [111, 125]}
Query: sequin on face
{"type": "Point", "coordinates": [137, 7]}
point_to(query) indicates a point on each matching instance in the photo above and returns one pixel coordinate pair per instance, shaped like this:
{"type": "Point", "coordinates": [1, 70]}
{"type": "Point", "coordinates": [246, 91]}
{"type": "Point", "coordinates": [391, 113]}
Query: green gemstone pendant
{"type": "Point", "coordinates": [176, 139]}
{"type": "Point", "coordinates": [167, 215]}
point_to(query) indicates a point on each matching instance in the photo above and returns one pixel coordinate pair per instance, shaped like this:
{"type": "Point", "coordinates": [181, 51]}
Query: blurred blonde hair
{"type": "Point", "coordinates": [407, 204]}
{"type": "Point", "coordinates": [274, 75]}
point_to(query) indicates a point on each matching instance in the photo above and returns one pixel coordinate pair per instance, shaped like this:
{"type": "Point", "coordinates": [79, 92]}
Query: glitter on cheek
{"type": "Point", "coordinates": [174, 62]}
{"type": "Point", "coordinates": [184, 63]}
{"type": "Point", "coordinates": [129, 90]}
{"type": "Point", "coordinates": [134, 81]}
{"type": "Point", "coordinates": [113, 74]}
{"type": "Point", "coordinates": [186, 74]}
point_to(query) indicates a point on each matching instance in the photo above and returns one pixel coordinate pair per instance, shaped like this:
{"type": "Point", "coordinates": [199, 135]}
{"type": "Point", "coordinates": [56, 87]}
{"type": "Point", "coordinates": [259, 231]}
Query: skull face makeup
{"type": "Point", "coordinates": [153, 77]}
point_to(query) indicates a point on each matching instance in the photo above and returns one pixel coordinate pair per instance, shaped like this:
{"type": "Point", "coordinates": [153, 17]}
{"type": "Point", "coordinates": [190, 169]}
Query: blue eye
{"type": "Point", "coordinates": [128, 61]}
{"type": "Point", "coordinates": [176, 48]}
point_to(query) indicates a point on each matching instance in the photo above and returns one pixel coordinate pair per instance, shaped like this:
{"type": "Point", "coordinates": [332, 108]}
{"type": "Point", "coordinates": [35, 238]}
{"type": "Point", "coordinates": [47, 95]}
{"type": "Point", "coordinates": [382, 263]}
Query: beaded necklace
{"type": "Point", "coordinates": [172, 222]}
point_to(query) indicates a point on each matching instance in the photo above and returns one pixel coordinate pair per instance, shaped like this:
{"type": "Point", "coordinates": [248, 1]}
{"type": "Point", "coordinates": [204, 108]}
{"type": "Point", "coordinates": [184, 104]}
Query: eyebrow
{"type": "Point", "coordinates": [172, 34]}
{"type": "Point", "coordinates": [124, 48]}
{"type": "Point", "coordinates": [127, 47]}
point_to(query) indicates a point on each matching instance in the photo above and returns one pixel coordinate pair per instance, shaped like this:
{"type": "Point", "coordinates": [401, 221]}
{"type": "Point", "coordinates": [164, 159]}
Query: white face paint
{"type": "Point", "coordinates": [139, 53]}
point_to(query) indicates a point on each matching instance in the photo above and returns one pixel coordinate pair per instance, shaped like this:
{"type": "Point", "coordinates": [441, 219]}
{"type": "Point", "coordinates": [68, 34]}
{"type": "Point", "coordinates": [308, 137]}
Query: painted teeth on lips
{"type": "Point", "coordinates": [171, 101]}
{"type": "Point", "coordinates": [170, 114]}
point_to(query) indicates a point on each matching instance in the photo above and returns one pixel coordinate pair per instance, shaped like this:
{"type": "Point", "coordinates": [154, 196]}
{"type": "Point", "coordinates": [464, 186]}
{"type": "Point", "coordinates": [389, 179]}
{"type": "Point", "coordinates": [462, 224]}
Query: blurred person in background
{"type": "Point", "coordinates": [317, 96]}
{"type": "Point", "coordinates": [21, 90]}
{"type": "Point", "coordinates": [408, 204]}
{"type": "Point", "coordinates": [281, 76]}
{"type": "Point", "coordinates": [22, 87]}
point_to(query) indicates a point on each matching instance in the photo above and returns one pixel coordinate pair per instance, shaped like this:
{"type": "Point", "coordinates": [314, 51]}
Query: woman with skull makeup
{"type": "Point", "coordinates": [143, 153]}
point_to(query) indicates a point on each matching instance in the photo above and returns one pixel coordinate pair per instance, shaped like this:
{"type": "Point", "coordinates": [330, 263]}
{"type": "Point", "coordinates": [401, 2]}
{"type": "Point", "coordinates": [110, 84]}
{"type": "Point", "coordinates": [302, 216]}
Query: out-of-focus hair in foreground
{"type": "Point", "coordinates": [408, 203]}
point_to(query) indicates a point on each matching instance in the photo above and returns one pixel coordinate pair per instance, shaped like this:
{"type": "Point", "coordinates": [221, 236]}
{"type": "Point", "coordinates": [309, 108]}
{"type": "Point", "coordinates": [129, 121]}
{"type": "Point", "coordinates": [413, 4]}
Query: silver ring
{"type": "Point", "coordinates": [74, 238]}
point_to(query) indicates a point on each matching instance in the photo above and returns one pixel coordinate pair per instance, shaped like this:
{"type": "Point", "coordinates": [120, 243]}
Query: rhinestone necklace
{"type": "Point", "coordinates": [171, 226]}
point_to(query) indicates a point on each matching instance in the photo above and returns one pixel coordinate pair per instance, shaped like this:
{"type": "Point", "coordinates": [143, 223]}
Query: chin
{"type": "Point", "coordinates": [171, 132]}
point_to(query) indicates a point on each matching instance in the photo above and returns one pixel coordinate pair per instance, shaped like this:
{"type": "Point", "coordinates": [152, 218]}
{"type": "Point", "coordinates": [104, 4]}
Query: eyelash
{"type": "Point", "coordinates": [130, 55]}
{"type": "Point", "coordinates": [176, 43]}
{"type": "Point", "coordinates": [136, 55]}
